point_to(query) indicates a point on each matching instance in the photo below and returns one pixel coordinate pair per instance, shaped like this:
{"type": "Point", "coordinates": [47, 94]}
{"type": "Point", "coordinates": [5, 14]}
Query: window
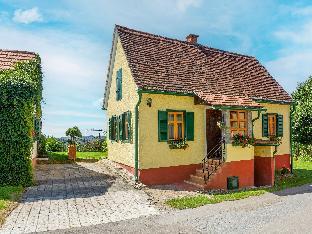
{"type": "Point", "coordinates": [175, 125]}
{"type": "Point", "coordinates": [119, 85]}
{"type": "Point", "coordinates": [126, 119]}
{"type": "Point", "coordinates": [113, 128]}
{"type": "Point", "coordinates": [238, 122]}
{"type": "Point", "coordinates": [272, 124]}
{"type": "Point", "coordinates": [120, 127]}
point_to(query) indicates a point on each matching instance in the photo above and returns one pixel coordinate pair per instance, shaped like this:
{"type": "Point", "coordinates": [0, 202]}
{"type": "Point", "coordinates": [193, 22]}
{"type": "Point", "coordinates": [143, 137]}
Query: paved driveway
{"type": "Point", "coordinates": [287, 211]}
{"type": "Point", "coordinates": [75, 195]}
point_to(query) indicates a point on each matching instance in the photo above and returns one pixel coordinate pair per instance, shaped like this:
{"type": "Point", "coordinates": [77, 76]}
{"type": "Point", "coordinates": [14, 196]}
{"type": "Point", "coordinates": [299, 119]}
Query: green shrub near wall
{"type": "Point", "coordinates": [20, 104]}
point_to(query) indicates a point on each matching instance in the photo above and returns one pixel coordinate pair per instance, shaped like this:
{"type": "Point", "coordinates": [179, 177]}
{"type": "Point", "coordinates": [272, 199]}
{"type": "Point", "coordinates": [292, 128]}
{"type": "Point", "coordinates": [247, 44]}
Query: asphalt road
{"type": "Point", "coordinates": [288, 211]}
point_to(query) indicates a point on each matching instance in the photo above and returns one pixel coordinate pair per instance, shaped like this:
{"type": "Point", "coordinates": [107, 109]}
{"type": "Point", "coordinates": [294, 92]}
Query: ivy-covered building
{"type": "Point", "coordinates": [20, 114]}
{"type": "Point", "coordinates": [182, 111]}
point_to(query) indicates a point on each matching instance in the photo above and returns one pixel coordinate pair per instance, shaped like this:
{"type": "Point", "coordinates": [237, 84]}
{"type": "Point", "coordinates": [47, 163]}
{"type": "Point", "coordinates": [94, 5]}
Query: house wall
{"type": "Point", "coordinates": [264, 165]}
{"type": "Point", "coordinates": [284, 148]}
{"type": "Point", "coordinates": [155, 154]}
{"type": "Point", "coordinates": [122, 152]}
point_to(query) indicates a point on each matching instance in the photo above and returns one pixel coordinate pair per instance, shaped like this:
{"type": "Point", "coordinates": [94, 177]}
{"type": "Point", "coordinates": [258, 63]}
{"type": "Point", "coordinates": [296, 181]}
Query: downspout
{"type": "Point", "coordinates": [290, 136]}
{"type": "Point", "coordinates": [253, 120]}
{"type": "Point", "coordinates": [136, 139]}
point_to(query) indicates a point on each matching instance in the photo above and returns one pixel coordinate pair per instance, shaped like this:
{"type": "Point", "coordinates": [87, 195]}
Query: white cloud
{"type": "Point", "coordinates": [73, 114]}
{"type": "Point", "coordinates": [293, 65]}
{"type": "Point", "coordinates": [183, 5]}
{"type": "Point", "coordinates": [27, 16]}
{"type": "Point", "coordinates": [74, 74]}
{"type": "Point", "coordinates": [298, 11]}
{"type": "Point", "coordinates": [98, 103]}
{"type": "Point", "coordinates": [291, 68]}
{"type": "Point", "coordinates": [299, 35]}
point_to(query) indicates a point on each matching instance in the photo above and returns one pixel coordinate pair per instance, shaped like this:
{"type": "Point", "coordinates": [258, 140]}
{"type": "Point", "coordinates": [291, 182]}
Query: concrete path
{"type": "Point", "coordinates": [288, 211]}
{"type": "Point", "coordinates": [75, 195]}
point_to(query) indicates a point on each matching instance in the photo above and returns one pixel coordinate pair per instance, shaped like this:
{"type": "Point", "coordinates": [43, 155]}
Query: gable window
{"type": "Point", "coordinates": [119, 85]}
{"type": "Point", "coordinates": [175, 126]}
{"type": "Point", "coordinates": [272, 125]}
{"type": "Point", "coordinates": [238, 122]}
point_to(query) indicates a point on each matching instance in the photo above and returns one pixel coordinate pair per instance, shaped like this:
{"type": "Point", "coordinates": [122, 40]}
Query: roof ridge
{"type": "Point", "coordinates": [197, 45]}
{"type": "Point", "coordinates": [18, 51]}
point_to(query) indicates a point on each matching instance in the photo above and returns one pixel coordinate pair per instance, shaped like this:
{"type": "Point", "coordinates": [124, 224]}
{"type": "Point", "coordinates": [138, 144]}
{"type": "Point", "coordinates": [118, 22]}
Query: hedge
{"type": "Point", "coordinates": [20, 105]}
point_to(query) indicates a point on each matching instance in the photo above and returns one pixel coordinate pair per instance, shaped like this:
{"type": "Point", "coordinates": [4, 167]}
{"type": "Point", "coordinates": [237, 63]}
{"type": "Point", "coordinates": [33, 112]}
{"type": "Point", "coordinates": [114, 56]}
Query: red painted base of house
{"type": "Point", "coordinates": [264, 171]}
{"type": "Point", "coordinates": [167, 175]}
{"type": "Point", "coordinates": [164, 175]}
{"type": "Point", "coordinates": [243, 169]}
{"type": "Point", "coordinates": [282, 161]}
{"type": "Point", "coordinates": [257, 172]}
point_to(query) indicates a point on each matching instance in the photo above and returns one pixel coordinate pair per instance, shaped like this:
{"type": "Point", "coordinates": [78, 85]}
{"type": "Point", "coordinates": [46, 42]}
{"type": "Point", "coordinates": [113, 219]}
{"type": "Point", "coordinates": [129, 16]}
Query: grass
{"type": "Point", "coordinates": [62, 156]}
{"type": "Point", "coordinates": [8, 197]}
{"type": "Point", "coordinates": [302, 175]}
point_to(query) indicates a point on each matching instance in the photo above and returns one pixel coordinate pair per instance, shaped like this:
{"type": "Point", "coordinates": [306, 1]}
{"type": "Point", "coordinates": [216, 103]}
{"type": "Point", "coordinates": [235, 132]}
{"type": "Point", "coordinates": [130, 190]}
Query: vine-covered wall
{"type": "Point", "coordinates": [20, 105]}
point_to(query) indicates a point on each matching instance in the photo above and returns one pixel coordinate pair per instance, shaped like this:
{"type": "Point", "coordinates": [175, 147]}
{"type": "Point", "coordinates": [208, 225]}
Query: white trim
{"type": "Point", "coordinates": [110, 70]}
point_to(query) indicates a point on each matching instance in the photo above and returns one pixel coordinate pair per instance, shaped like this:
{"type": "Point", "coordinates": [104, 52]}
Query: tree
{"type": "Point", "coordinates": [302, 113]}
{"type": "Point", "coordinates": [73, 132]}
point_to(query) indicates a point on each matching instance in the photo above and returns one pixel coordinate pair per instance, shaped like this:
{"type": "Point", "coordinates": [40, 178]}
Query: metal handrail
{"type": "Point", "coordinates": [216, 149]}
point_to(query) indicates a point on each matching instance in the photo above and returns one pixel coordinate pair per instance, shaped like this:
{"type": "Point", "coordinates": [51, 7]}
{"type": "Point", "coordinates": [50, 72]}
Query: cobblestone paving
{"type": "Point", "coordinates": [75, 195]}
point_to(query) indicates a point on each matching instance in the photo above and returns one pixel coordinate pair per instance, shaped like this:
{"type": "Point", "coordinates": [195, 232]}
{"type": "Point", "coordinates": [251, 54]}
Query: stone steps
{"type": "Point", "coordinates": [212, 166]}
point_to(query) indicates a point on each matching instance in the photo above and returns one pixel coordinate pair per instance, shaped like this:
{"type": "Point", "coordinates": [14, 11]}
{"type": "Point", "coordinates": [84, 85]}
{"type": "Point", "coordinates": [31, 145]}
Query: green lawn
{"type": "Point", "coordinates": [8, 195]}
{"type": "Point", "coordinates": [302, 175]}
{"type": "Point", "coordinates": [62, 156]}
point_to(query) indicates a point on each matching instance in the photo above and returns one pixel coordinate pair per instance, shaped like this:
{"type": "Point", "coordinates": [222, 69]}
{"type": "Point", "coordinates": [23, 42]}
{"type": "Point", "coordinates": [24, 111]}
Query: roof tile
{"type": "Point", "coordinates": [216, 76]}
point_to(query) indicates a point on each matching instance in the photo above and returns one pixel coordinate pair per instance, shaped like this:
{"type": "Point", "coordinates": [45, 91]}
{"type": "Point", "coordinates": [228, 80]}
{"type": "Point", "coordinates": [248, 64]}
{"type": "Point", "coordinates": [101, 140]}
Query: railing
{"type": "Point", "coordinates": [213, 159]}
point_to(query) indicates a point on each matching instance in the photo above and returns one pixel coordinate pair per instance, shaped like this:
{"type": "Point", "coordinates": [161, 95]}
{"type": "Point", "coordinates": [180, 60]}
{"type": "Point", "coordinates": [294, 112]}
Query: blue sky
{"type": "Point", "coordinates": [74, 39]}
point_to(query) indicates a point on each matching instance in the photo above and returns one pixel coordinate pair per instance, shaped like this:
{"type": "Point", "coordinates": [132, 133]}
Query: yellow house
{"type": "Point", "coordinates": [182, 111]}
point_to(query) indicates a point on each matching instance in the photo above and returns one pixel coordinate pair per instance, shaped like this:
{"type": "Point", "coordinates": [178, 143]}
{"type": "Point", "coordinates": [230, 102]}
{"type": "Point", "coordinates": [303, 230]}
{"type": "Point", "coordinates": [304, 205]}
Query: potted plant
{"type": "Point", "coordinates": [73, 133]}
{"type": "Point", "coordinates": [178, 144]}
{"type": "Point", "coordinates": [242, 140]}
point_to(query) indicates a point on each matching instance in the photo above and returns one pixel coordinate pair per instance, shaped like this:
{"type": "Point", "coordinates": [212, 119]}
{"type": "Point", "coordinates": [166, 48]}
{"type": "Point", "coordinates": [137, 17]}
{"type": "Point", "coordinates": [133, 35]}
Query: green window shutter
{"type": "Point", "coordinates": [123, 120]}
{"type": "Point", "coordinates": [119, 85]}
{"type": "Point", "coordinates": [265, 125]}
{"type": "Point", "coordinates": [110, 128]}
{"type": "Point", "coordinates": [116, 128]}
{"type": "Point", "coordinates": [129, 125]}
{"type": "Point", "coordinates": [162, 125]}
{"type": "Point", "coordinates": [120, 128]}
{"type": "Point", "coordinates": [279, 125]}
{"type": "Point", "coordinates": [189, 126]}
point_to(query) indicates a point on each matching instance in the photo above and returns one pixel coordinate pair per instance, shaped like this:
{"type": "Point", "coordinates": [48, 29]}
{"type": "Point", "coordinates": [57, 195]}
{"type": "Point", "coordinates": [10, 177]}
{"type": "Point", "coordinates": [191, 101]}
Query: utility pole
{"type": "Point", "coordinates": [97, 130]}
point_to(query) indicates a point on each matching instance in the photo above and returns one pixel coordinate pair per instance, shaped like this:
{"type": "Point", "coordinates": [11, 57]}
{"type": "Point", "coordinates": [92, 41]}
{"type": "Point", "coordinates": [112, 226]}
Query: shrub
{"type": "Point", "coordinates": [42, 141]}
{"type": "Point", "coordinates": [20, 105]}
{"type": "Point", "coordinates": [92, 146]}
{"type": "Point", "coordinates": [54, 145]}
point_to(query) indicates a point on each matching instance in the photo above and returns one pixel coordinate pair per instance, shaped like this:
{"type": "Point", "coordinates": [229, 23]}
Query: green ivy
{"type": "Point", "coordinates": [20, 105]}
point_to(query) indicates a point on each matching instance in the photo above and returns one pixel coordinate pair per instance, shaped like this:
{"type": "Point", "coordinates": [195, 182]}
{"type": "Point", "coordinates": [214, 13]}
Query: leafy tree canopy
{"type": "Point", "coordinates": [73, 132]}
{"type": "Point", "coordinates": [302, 112]}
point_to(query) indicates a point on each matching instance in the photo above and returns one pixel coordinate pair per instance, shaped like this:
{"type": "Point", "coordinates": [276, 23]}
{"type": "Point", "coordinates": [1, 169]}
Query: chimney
{"type": "Point", "coordinates": [192, 38]}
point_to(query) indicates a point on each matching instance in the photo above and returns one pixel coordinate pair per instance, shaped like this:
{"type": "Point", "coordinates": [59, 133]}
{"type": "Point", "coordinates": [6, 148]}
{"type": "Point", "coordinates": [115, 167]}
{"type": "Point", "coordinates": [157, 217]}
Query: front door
{"type": "Point", "coordinates": [213, 131]}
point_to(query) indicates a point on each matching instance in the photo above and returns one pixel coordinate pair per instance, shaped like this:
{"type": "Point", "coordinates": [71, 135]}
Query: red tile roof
{"type": "Point", "coordinates": [217, 77]}
{"type": "Point", "coordinates": [9, 57]}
